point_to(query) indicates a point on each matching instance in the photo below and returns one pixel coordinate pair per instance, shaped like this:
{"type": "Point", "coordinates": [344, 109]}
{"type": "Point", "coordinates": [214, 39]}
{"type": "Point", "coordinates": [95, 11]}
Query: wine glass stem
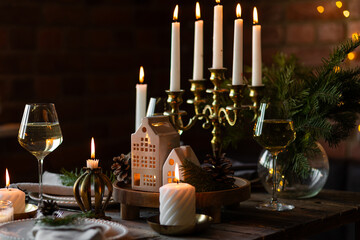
{"type": "Point", "coordinates": [40, 167]}
{"type": "Point", "coordinates": [274, 195]}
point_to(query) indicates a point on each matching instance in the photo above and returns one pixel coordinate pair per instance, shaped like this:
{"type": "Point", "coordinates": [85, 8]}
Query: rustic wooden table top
{"type": "Point", "coordinates": [328, 210]}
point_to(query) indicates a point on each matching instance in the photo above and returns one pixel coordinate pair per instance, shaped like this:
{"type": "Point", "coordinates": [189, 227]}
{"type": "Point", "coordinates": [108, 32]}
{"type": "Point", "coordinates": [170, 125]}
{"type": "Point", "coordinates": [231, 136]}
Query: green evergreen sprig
{"type": "Point", "coordinates": [67, 220]}
{"type": "Point", "coordinates": [201, 179]}
{"type": "Point", "coordinates": [323, 102]}
{"type": "Point", "coordinates": [68, 178]}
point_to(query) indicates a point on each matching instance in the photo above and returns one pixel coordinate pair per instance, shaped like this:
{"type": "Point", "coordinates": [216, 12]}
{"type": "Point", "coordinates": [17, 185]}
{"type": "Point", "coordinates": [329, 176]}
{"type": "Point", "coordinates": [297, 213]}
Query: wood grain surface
{"type": "Point", "coordinates": [328, 210]}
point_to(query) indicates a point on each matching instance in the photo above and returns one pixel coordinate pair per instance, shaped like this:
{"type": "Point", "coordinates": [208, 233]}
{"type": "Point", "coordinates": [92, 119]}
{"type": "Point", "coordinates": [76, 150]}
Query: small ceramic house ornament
{"type": "Point", "coordinates": [150, 145]}
{"type": "Point", "coordinates": [177, 155]}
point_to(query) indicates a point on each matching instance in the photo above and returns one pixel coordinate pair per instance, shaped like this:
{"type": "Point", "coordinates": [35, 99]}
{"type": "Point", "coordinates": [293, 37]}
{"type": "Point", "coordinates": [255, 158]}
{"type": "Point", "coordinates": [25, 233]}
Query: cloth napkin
{"type": "Point", "coordinates": [81, 231]}
{"type": "Point", "coordinates": [51, 185]}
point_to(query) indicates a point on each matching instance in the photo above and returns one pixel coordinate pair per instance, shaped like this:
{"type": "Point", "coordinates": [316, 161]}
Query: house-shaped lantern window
{"type": "Point", "coordinates": [150, 145]}
{"type": "Point", "coordinates": [177, 155]}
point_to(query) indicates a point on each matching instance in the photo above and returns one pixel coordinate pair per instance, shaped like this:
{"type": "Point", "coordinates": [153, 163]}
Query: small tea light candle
{"type": "Point", "coordinates": [13, 195]}
{"type": "Point", "coordinates": [92, 163]}
{"type": "Point", "coordinates": [6, 211]}
{"type": "Point", "coordinates": [177, 203]}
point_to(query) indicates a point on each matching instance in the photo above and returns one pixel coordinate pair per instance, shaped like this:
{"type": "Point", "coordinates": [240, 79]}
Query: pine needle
{"type": "Point", "coordinates": [323, 103]}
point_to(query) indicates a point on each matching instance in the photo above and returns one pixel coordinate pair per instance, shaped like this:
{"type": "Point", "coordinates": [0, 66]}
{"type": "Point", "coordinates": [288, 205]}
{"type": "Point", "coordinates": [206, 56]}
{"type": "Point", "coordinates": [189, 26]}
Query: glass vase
{"type": "Point", "coordinates": [290, 185]}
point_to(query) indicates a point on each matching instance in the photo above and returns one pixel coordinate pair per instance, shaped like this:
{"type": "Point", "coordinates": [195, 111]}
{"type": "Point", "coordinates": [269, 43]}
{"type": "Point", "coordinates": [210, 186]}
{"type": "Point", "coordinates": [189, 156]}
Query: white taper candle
{"type": "Point", "coordinates": [175, 53]}
{"type": "Point", "coordinates": [198, 72]}
{"type": "Point", "coordinates": [256, 52]}
{"type": "Point", "coordinates": [237, 73]}
{"type": "Point", "coordinates": [218, 37]}
{"type": "Point", "coordinates": [141, 91]}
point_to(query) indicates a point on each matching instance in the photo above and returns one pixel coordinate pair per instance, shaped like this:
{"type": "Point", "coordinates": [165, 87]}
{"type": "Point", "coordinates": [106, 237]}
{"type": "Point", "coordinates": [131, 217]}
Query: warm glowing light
{"type": "Point", "coordinates": [7, 177]}
{"type": "Point", "coordinates": [337, 69]}
{"type": "Point", "coordinates": [351, 56]}
{"type": "Point", "coordinates": [271, 171]}
{"type": "Point", "coordinates": [238, 10]}
{"type": "Point", "coordinates": [141, 74]}
{"type": "Point", "coordinates": [346, 13]}
{"type": "Point", "coordinates": [320, 9]}
{"type": "Point", "coordinates": [359, 128]}
{"type": "Point", "coordinates": [339, 4]}
{"type": "Point", "coordinates": [217, 1]}
{"type": "Point", "coordinates": [255, 16]}
{"type": "Point", "coordinates": [197, 10]}
{"type": "Point", "coordinates": [176, 13]}
{"type": "Point", "coordinates": [92, 148]}
{"type": "Point", "coordinates": [355, 36]}
{"type": "Point", "coordinates": [177, 174]}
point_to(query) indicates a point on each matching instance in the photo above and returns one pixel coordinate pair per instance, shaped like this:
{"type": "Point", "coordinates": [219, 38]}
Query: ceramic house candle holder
{"type": "Point", "coordinates": [150, 146]}
{"type": "Point", "coordinates": [177, 155]}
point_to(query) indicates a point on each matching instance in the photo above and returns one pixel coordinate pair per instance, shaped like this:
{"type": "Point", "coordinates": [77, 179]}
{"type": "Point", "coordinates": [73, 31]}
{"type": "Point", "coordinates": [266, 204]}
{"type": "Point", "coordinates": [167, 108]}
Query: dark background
{"type": "Point", "coordinates": [84, 56]}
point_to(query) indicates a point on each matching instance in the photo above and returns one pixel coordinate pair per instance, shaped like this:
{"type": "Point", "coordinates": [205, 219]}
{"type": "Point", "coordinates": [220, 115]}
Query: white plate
{"type": "Point", "coordinates": [62, 201]}
{"type": "Point", "coordinates": [63, 198]}
{"type": "Point", "coordinates": [19, 230]}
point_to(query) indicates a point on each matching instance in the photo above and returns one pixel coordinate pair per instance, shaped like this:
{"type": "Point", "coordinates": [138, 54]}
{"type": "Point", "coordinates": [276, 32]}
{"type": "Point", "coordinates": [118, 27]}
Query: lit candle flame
{"type": "Point", "coordinates": [197, 11]}
{"type": "Point", "coordinates": [238, 10]}
{"type": "Point", "coordinates": [177, 177]}
{"type": "Point", "coordinates": [255, 15]}
{"type": "Point", "coordinates": [141, 75]}
{"type": "Point", "coordinates": [92, 148]}
{"type": "Point", "coordinates": [217, 1]}
{"type": "Point", "coordinates": [7, 178]}
{"type": "Point", "coordinates": [176, 13]}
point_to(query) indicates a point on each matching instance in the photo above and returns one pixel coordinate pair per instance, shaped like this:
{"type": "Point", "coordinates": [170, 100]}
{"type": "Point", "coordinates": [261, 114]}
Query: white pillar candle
{"type": "Point", "coordinates": [218, 36]}
{"type": "Point", "coordinates": [198, 72]}
{"type": "Point", "coordinates": [141, 90]}
{"type": "Point", "coordinates": [92, 163]}
{"type": "Point", "coordinates": [256, 52]}
{"type": "Point", "coordinates": [175, 53]}
{"type": "Point", "coordinates": [177, 203]}
{"type": "Point", "coordinates": [16, 196]}
{"type": "Point", "coordinates": [6, 211]}
{"type": "Point", "coordinates": [237, 74]}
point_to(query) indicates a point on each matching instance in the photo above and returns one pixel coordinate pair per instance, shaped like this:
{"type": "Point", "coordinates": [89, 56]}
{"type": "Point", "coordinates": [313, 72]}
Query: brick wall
{"type": "Point", "coordinates": [84, 56]}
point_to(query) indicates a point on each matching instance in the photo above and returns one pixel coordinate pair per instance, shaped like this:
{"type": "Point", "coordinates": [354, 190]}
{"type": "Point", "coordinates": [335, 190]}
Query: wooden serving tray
{"type": "Point", "coordinates": [209, 202]}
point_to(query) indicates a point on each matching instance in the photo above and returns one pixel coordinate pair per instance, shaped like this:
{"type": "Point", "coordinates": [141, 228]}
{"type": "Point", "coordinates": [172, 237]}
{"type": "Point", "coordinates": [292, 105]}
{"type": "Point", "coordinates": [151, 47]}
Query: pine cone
{"type": "Point", "coordinates": [219, 169]}
{"type": "Point", "coordinates": [48, 207]}
{"type": "Point", "coordinates": [122, 168]}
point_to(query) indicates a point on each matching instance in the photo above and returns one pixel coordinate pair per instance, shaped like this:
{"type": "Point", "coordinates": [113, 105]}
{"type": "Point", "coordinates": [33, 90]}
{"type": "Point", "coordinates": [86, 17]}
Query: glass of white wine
{"type": "Point", "coordinates": [40, 133]}
{"type": "Point", "coordinates": [274, 131]}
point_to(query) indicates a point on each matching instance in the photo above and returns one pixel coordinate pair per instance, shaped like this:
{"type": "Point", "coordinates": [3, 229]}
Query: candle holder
{"type": "Point", "coordinates": [198, 88]}
{"type": "Point", "coordinates": [82, 192]}
{"type": "Point", "coordinates": [215, 113]}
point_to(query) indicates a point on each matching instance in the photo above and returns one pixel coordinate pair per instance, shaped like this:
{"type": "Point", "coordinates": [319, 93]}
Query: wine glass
{"type": "Point", "coordinates": [40, 133]}
{"type": "Point", "coordinates": [274, 131]}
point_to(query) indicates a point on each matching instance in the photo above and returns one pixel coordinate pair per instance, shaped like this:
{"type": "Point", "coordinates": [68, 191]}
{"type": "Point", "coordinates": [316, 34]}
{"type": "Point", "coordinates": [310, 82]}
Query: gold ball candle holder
{"type": "Point", "coordinates": [82, 191]}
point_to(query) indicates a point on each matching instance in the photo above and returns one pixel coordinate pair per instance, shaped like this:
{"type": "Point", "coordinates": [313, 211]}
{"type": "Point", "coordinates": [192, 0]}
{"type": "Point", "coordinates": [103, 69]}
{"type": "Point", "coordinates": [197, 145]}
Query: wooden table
{"type": "Point", "coordinates": [328, 210]}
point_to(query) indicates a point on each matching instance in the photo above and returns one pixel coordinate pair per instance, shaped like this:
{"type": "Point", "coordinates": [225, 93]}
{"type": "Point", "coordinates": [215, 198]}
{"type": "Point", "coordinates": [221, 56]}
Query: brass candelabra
{"type": "Point", "coordinates": [215, 113]}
